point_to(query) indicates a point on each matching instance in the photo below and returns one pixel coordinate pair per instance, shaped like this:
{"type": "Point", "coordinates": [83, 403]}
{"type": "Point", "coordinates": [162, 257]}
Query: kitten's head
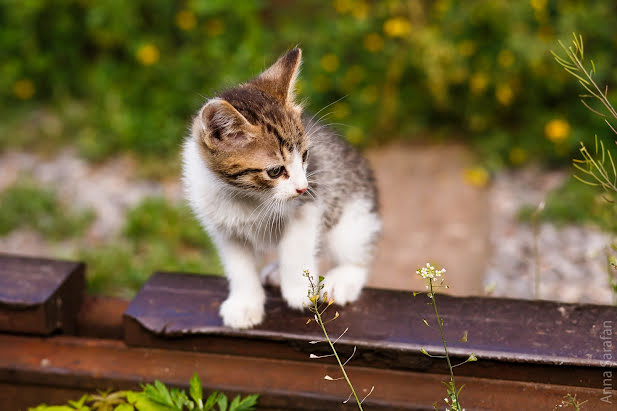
{"type": "Point", "coordinates": [252, 135]}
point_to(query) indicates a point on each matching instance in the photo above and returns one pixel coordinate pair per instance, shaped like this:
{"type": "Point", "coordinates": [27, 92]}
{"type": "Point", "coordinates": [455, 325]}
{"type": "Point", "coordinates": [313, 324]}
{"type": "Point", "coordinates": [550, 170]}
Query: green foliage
{"type": "Point", "coordinates": [112, 76]}
{"type": "Point", "coordinates": [576, 203]}
{"type": "Point", "coordinates": [157, 236]}
{"type": "Point", "coordinates": [157, 397]}
{"type": "Point", "coordinates": [25, 204]}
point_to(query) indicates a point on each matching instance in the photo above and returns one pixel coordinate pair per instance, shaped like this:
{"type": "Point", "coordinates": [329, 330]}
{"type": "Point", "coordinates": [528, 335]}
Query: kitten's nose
{"type": "Point", "coordinates": [301, 190]}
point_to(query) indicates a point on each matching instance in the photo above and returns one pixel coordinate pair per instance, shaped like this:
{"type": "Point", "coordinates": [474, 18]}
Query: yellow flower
{"type": "Point", "coordinates": [557, 130]}
{"type": "Point", "coordinates": [360, 10]}
{"type": "Point", "coordinates": [148, 54]}
{"type": "Point", "coordinates": [343, 6]}
{"type": "Point", "coordinates": [397, 27]}
{"type": "Point", "coordinates": [23, 89]}
{"type": "Point", "coordinates": [476, 176]}
{"type": "Point", "coordinates": [467, 48]}
{"type": "Point", "coordinates": [478, 83]}
{"type": "Point", "coordinates": [504, 94]}
{"type": "Point", "coordinates": [538, 5]}
{"type": "Point", "coordinates": [185, 19]}
{"type": "Point", "coordinates": [329, 62]}
{"type": "Point", "coordinates": [340, 110]}
{"type": "Point", "coordinates": [369, 94]}
{"type": "Point", "coordinates": [373, 42]}
{"type": "Point", "coordinates": [215, 27]}
{"type": "Point", "coordinates": [517, 156]}
{"type": "Point", "coordinates": [505, 58]}
{"type": "Point", "coordinates": [354, 135]}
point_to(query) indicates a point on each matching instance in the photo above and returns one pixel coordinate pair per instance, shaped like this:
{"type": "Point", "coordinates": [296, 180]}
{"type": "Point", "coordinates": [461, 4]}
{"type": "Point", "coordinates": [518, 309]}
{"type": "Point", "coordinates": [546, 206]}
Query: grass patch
{"type": "Point", "coordinates": [27, 205]}
{"type": "Point", "coordinates": [157, 236]}
{"type": "Point", "coordinates": [576, 203]}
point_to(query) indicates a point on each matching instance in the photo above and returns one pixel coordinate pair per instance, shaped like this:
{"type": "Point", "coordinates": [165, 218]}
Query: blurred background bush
{"type": "Point", "coordinates": [110, 76]}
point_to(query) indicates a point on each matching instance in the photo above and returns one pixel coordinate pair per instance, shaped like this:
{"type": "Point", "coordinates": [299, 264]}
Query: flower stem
{"type": "Point", "coordinates": [443, 339]}
{"type": "Point", "coordinates": [325, 333]}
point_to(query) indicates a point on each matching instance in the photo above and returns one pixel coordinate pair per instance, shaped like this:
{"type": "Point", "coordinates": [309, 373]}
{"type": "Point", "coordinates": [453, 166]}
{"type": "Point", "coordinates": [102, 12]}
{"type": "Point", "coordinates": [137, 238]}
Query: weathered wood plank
{"type": "Point", "coordinates": [39, 295]}
{"type": "Point", "coordinates": [72, 364]}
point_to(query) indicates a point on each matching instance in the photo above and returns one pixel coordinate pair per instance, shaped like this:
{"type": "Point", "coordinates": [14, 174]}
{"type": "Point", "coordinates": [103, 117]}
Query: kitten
{"type": "Point", "coordinates": [258, 175]}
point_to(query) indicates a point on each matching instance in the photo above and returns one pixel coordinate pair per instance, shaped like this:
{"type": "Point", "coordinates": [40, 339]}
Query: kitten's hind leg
{"type": "Point", "coordinates": [351, 243]}
{"type": "Point", "coordinates": [271, 274]}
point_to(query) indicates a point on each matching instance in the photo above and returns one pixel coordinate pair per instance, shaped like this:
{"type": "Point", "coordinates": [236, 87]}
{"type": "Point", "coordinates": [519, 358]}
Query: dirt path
{"type": "Point", "coordinates": [430, 215]}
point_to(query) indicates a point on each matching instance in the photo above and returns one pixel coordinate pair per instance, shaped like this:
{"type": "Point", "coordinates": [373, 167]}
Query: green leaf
{"type": "Point", "coordinates": [211, 401]}
{"type": "Point", "coordinates": [234, 403]}
{"type": "Point", "coordinates": [124, 407]}
{"type": "Point", "coordinates": [248, 403]}
{"type": "Point", "coordinates": [196, 391]}
{"type": "Point", "coordinates": [222, 402]}
{"type": "Point", "coordinates": [160, 394]}
{"type": "Point", "coordinates": [142, 403]}
{"type": "Point", "coordinates": [79, 403]}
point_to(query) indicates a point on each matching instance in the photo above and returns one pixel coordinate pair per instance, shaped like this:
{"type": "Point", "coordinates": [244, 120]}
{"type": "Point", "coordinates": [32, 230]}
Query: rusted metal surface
{"type": "Point", "coordinates": [39, 295]}
{"type": "Point", "coordinates": [539, 341]}
{"type": "Point", "coordinates": [73, 364]}
{"type": "Point", "coordinates": [101, 317]}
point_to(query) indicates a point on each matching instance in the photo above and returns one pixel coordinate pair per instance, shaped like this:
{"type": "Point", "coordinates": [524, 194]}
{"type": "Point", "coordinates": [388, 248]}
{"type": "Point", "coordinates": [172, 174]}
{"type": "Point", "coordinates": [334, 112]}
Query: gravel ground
{"type": "Point", "coordinates": [572, 259]}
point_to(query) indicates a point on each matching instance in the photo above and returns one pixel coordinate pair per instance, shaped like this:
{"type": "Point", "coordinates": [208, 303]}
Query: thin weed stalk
{"type": "Point", "coordinates": [597, 169]}
{"type": "Point", "coordinates": [430, 274]}
{"type": "Point", "coordinates": [317, 303]}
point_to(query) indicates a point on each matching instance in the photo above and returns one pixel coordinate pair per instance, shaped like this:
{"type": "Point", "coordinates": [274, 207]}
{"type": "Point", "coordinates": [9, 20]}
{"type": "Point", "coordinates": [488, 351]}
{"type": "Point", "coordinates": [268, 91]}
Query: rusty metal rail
{"type": "Point", "coordinates": [531, 353]}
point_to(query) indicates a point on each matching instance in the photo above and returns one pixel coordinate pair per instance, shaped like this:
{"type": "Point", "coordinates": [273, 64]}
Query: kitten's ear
{"type": "Point", "coordinates": [222, 127]}
{"type": "Point", "coordinates": [280, 78]}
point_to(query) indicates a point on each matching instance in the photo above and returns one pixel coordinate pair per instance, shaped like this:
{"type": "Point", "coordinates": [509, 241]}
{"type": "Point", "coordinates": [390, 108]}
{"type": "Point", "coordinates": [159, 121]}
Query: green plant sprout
{"type": "Point", "coordinates": [570, 400]}
{"type": "Point", "coordinates": [593, 167]}
{"type": "Point", "coordinates": [431, 275]}
{"type": "Point", "coordinates": [535, 224]}
{"type": "Point", "coordinates": [597, 169]}
{"type": "Point", "coordinates": [318, 305]}
{"type": "Point", "coordinates": [157, 397]}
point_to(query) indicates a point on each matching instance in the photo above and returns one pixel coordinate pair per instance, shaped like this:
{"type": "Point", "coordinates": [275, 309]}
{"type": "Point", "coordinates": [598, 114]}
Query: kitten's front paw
{"type": "Point", "coordinates": [344, 284]}
{"type": "Point", "coordinates": [296, 294]}
{"type": "Point", "coordinates": [240, 312]}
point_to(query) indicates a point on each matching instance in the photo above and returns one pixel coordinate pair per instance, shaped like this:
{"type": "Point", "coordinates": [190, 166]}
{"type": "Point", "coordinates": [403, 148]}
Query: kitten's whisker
{"type": "Point", "coordinates": [318, 121]}
{"type": "Point", "coordinates": [325, 107]}
{"type": "Point", "coordinates": [258, 219]}
{"type": "Point", "coordinates": [264, 218]}
{"type": "Point", "coordinates": [312, 173]}
{"type": "Point", "coordinates": [313, 124]}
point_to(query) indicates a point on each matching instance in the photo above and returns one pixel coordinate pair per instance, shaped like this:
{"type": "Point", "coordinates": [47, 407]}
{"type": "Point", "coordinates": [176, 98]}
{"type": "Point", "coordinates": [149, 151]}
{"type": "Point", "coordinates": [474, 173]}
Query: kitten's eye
{"type": "Point", "coordinates": [304, 156]}
{"type": "Point", "coordinates": [275, 172]}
